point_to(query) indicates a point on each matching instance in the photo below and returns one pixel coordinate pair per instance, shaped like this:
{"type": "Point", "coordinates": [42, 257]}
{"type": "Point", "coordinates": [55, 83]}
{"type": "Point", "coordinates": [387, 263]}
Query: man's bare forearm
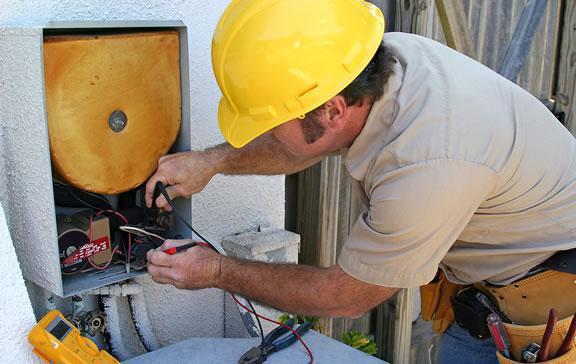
{"type": "Point", "coordinates": [300, 289]}
{"type": "Point", "coordinates": [264, 156]}
{"type": "Point", "coordinates": [288, 287]}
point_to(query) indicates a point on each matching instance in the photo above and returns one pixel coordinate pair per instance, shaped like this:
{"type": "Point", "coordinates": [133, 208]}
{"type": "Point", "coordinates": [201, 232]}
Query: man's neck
{"type": "Point", "coordinates": [357, 122]}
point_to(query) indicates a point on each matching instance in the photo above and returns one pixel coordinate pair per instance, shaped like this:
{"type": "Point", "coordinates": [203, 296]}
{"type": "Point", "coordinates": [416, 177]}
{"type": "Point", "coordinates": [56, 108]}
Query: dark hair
{"type": "Point", "coordinates": [371, 84]}
{"type": "Point", "coordinates": [372, 80]}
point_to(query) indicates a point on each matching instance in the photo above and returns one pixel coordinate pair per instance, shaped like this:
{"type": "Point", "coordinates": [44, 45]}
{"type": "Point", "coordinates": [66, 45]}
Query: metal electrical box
{"type": "Point", "coordinates": [74, 75]}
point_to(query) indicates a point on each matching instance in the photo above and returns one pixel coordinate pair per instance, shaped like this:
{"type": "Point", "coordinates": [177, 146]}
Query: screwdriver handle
{"type": "Point", "coordinates": [569, 339]}
{"type": "Point", "coordinates": [545, 345]}
{"type": "Point", "coordinates": [499, 335]}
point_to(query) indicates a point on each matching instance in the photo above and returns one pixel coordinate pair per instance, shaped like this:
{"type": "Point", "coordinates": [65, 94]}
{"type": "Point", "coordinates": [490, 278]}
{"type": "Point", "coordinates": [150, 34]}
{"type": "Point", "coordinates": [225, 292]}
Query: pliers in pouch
{"type": "Point", "coordinates": [276, 340]}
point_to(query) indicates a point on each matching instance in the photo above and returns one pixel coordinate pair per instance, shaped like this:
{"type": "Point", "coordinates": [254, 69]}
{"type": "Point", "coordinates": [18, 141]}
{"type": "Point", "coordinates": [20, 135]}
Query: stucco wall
{"type": "Point", "coordinates": [15, 308]}
{"type": "Point", "coordinates": [218, 211]}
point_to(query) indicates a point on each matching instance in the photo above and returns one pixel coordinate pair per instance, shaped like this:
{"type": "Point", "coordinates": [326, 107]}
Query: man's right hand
{"type": "Point", "coordinates": [183, 174]}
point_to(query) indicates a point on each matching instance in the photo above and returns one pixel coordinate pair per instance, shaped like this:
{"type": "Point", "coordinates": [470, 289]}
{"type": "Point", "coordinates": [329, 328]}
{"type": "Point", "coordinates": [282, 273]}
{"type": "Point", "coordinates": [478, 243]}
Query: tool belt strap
{"type": "Point", "coordinates": [563, 261]}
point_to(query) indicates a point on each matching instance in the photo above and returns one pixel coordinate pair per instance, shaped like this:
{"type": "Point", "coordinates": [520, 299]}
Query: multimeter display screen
{"type": "Point", "coordinates": [60, 330]}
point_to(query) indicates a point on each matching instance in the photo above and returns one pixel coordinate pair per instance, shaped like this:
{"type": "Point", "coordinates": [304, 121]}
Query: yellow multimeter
{"type": "Point", "coordinates": [57, 341]}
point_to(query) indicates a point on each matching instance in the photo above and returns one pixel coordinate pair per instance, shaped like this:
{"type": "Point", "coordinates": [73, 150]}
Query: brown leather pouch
{"type": "Point", "coordinates": [527, 303]}
{"type": "Point", "coordinates": [435, 302]}
{"type": "Point", "coordinates": [529, 300]}
{"type": "Point", "coordinates": [521, 335]}
{"type": "Point", "coordinates": [568, 358]}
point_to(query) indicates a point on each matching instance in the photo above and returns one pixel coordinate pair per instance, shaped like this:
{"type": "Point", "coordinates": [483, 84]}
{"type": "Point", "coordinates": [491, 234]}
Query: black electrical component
{"type": "Point", "coordinates": [89, 234]}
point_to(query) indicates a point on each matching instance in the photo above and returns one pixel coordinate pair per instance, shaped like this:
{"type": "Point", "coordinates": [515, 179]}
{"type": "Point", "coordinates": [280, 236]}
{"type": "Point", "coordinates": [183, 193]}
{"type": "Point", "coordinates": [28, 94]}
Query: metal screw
{"type": "Point", "coordinates": [117, 121]}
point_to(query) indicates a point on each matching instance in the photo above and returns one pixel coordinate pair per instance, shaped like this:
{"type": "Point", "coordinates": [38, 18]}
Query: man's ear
{"type": "Point", "coordinates": [335, 112]}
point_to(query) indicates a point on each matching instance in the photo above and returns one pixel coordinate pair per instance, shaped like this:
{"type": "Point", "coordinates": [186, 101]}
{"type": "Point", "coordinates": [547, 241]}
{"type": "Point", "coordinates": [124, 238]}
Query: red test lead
{"type": "Point", "coordinates": [178, 249]}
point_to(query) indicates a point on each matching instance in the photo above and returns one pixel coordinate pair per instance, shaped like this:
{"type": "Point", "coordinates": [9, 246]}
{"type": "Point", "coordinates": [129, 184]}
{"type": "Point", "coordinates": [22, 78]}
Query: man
{"type": "Point", "coordinates": [460, 169]}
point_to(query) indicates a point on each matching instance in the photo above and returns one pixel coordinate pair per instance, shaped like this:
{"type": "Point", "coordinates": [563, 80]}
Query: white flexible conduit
{"type": "Point", "coordinates": [109, 297]}
{"type": "Point", "coordinates": [113, 332]}
{"type": "Point", "coordinates": [142, 322]}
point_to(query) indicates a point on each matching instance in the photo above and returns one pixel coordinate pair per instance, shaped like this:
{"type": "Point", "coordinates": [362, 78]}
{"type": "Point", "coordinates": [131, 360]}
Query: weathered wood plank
{"type": "Point", "coordinates": [521, 42]}
{"type": "Point", "coordinates": [307, 219]}
{"type": "Point", "coordinates": [324, 224]}
{"type": "Point", "coordinates": [317, 211]}
{"type": "Point", "coordinates": [454, 23]}
{"type": "Point", "coordinates": [385, 320]}
{"type": "Point", "coordinates": [566, 86]}
{"type": "Point", "coordinates": [403, 325]}
{"type": "Point", "coordinates": [406, 16]}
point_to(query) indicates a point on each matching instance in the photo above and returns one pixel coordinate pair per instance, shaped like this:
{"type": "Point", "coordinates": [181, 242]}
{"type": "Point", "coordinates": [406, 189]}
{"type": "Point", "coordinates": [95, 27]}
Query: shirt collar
{"type": "Point", "coordinates": [373, 136]}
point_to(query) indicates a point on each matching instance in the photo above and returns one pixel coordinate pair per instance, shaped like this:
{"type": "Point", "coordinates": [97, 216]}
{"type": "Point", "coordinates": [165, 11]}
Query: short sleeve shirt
{"type": "Point", "coordinates": [462, 170]}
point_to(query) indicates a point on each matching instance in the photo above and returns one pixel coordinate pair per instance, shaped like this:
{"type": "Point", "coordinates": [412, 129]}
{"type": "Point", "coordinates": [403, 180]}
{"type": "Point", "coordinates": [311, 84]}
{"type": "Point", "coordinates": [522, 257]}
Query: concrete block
{"type": "Point", "coordinates": [266, 245]}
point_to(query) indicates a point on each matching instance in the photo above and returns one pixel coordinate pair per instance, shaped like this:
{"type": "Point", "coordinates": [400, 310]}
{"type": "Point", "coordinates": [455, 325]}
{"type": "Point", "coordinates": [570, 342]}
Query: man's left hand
{"type": "Point", "coordinates": [195, 268]}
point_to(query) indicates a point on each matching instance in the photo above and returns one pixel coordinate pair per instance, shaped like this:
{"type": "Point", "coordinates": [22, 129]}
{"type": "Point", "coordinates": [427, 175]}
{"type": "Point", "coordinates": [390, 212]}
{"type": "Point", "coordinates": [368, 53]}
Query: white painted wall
{"type": "Point", "coordinates": [228, 205]}
{"type": "Point", "coordinates": [15, 308]}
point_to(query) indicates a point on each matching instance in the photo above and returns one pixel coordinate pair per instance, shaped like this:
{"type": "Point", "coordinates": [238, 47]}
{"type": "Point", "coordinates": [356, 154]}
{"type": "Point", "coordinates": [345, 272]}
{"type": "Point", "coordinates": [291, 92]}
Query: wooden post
{"type": "Point", "coordinates": [403, 332]}
{"type": "Point", "coordinates": [454, 23]}
{"type": "Point", "coordinates": [326, 212]}
{"type": "Point", "coordinates": [566, 86]}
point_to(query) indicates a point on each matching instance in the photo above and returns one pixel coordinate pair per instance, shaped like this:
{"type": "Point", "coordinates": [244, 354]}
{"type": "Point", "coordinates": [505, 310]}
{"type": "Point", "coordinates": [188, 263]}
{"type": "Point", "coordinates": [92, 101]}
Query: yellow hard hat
{"type": "Point", "coordinates": [276, 60]}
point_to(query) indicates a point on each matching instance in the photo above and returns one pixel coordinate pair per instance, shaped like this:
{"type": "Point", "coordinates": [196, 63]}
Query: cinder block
{"type": "Point", "coordinates": [266, 245]}
{"type": "Point", "coordinates": [273, 246]}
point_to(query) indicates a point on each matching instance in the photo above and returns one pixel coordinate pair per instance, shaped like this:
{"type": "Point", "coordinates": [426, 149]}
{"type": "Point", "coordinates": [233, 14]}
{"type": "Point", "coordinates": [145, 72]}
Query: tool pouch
{"type": "Point", "coordinates": [435, 302]}
{"type": "Point", "coordinates": [529, 300]}
{"type": "Point", "coordinates": [470, 314]}
{"type": "Point", "coordinates": [568, 358]}
{"type": "Point", "coordinates": [521, 335]}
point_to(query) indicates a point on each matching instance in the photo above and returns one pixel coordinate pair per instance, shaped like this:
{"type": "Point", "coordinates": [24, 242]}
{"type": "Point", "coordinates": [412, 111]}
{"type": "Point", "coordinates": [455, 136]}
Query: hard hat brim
{"type": "Point", "coordinates": [230, 126]}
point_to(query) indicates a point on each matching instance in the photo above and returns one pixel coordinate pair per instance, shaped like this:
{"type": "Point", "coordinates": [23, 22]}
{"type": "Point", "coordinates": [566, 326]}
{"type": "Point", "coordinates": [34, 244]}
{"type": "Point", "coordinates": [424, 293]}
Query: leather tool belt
{"type": "Point", "coordinates": [550, 284]}
{"type": "Point", "coordinates": [524, 305]}
{"type": "Point", "coordinates": [525, 302]}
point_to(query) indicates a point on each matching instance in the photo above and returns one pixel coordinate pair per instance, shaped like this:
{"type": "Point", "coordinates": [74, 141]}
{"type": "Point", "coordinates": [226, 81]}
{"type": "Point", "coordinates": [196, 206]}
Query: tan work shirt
{"type": "Point", "coordinates": [463, 170]}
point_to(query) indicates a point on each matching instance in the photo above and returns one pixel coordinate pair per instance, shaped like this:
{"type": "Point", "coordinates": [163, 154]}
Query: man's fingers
{"type": "Point", "coordinates": [159, 258]}
{"type": "Point", "coordinates": [173, 192]}
{"type": "Point", "coordinates": [151, 186]}
{"type": "Point", "coordinates": [161, 274]}
{"type": "Point", "coordinates": [161, 203]}
{"type": "Point", "coordinates": [171, 243]}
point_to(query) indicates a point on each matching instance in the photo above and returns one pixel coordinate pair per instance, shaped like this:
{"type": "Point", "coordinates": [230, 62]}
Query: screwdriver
{"type": "Point", "coordinates": [178, 249]}
{"type": "Point", "coordinates": [499, 335]}
{"type": "Point", "coordinates": [545, 345]}
{"type": "Point", "coordinates": [569, 338]}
